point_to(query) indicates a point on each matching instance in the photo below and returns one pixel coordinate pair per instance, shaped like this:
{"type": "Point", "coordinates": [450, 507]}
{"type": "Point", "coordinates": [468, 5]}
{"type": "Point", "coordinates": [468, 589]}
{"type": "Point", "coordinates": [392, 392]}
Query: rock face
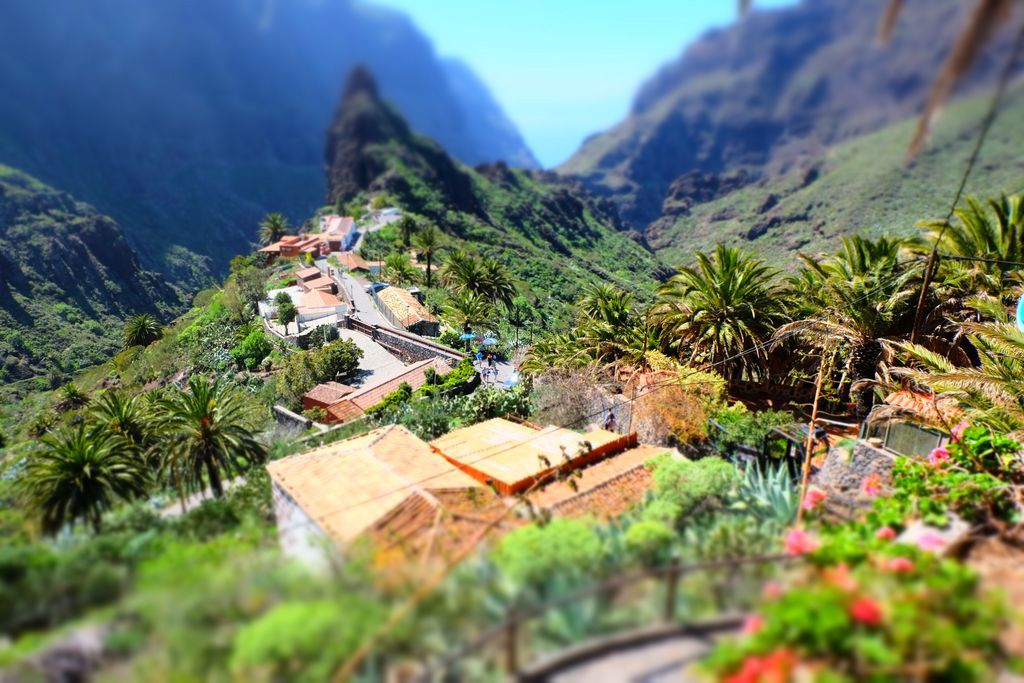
{"type": "Point", "coordinates": [553, 235]}
{"type": "Point", "coordinates": [187, 121]}
{"type": "Point", "coordinates": [769, 94]}
{"type": "Point", "coordinates": [67, 280]}
{"type": "Point", "coordinates": [844, 470]}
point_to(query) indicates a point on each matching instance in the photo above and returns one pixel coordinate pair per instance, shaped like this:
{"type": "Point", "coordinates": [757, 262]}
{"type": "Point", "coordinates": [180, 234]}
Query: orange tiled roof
{"type": "Point", "coordinates": [355, 404]}
{"type": "Point", "coordinates": [308, 273]}
{"type": "Point", "coordinates": [404, 305]}
{"type": "Point", "coordinates": [329, 392]}
{"type": "Point", "coordinates": [338, 225]}
{"type": "Point", "coordinates": [352, 261]}
{"type": "Point", "coordinates": [590, 495]}
{"type": "Point", "coordinates": [318, 299]}
{"type": "Point", "coordinates": [349, 486]}
{"type": "Point", "coordinates": [322, 282]}
{"type": "Point", "coordinates": [514, 455]}
{"type": "Point", "coordinates": [924, 406]}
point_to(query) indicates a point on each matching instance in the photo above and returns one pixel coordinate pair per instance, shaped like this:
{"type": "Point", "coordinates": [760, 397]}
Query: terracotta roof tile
{"type": "Point", "coordinates": [597, 476]}
{"type": "Point", "coordinates": [308, 273]}
{"type": "Point", "coordinates": [322, 282]}
{"type": "Point", "coordinates": [348, 486]}
{"type": "Point", "coordinates": [329, 392]}
{"type": "Point", "coordinates": [352, 261]}
{"type": "Point", "coordinates": [404, 305]}
{"type": "Point", "coordinates": [318, 299]}
{"type": "Point", "coordinates": [355, 404]}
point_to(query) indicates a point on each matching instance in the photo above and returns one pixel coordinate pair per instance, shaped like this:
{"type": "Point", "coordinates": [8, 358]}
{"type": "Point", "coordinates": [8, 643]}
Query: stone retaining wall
{"type": "Point", "coordinates": [844, 470]}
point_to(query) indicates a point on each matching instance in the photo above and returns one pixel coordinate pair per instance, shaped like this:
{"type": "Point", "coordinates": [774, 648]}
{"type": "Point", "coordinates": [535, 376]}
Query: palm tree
{"type": "Point", "coordinates": [141, 330]}
{"type": "Point", "coordinates": [517, 315]}
{"type": "Point", "coordinates": [427, 242]}
{"type": "Point", "coordinates": [407, 226]}
{"type": "Point", "coordinates": [858, 300]}
{"type": "Point", "coordinates": [79, 474]}
{"type": "Point", "coordinates": [71, 397]}
{"type": "Point", "coordinates": [729, 304]}
{"type": "Point", "coordinates": [994, 232]}
{"type": "Point", "coordinates": [467, 310]}
{"type": "Point", "coordinates": [495, 282]}
{"type": "Point", "coordinates": [125, 416]}
{"type": "Point", "coordinates": [461, 271]}
{"type": "Point", "coordinates": [399, 271]}
{"type": "Point", "coordinates": [273, 228]}
{"type": "Point", "coordinates": [207, 431]}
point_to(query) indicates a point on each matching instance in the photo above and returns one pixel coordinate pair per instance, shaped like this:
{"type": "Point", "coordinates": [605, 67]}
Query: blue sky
{"type": "Point", "coordinates": [563, 69]}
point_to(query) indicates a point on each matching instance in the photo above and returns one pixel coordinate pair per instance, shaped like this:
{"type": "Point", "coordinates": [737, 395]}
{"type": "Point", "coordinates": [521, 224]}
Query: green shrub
{"type": "Point", "coordinates": [251, 351]}
{"type": "Point", "coordinates": [649, 540]}
{"type": "Point", "coordinates": [689, 484]}
{"type": "Point", "coordinates": [303, 640]}
{"type": "Point", "coordinates": [744, 427]}
{"type": "Point", "coordinates": [533, 554]}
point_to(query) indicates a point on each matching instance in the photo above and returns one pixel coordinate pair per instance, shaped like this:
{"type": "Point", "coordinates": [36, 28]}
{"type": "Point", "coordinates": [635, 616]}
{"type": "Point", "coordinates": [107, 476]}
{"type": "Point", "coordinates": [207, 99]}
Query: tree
{"type": "Point", "coordinates": [126, 416]}
{"type": "Point", "coordinates": [867, 295]}
{"type": "Point", "coordinates": [71, 397]}
{"type": "Point", "coordinates": [427, 242]}
{"type": "Point", "coordinates": [141, 330]}
{"type": "Point", "coordinates": [273, 228]}
{"type": "Point", "coordinates": [461, 271]}
{"type": "Point", "coordinates": [407, 226]}
{"type": "Point", "coordinates": [337, 361]}
{"type": "Point", "coordinates": [207, 432]}
{"type": "Point", "coordinates": [399, 271]}
{"type": "Point", "coordinates": [79, 474]}
{"type": "Point", "coordinates": [467, 310]}
{"type": "Point", "coordinates": [517, 315]}
{"type": "Point", "coordinates": [495, 282]}
{"type": "Point", "coordinates": [286, 312]}
{"type": "Point", "coordinates": [730, 303]}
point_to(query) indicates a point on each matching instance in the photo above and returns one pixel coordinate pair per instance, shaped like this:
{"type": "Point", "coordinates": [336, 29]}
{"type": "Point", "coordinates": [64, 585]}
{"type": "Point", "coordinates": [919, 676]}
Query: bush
{"type": "Point", "coordinates": [251, 351]}
{"type": "Point", "coordinates": [316, 414]}
{"type": "Point", "coordinates": [303, 640]}
{"type": "Point", "coordinates": [533, 554]}
{"type": "Point", "coordinates": [689, 485]}
{"type": "Point", "coordinates": [747, 428]}
{"type": "Point", "coordinates": [649, 540]}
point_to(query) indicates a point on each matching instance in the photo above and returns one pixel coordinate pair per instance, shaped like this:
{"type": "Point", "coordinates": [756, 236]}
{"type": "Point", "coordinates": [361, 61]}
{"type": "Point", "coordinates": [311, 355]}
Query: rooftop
{"type": "Point", "coordinates": [321, 282]}
{"type": "Point", "coordinates": [308, 273]}
{"type": "Point", "coordinates": [598, 476]}
{"type": "Point", "coordinates": [337, 225]}
{"type": "Point", "coordinates": [318, 299]}
{"type": "Point", "coordinates": [348, 486]}
{"type": "Point", "coordinates": [358, 402]}
{"type": "Point", "coordinates": [404, 305]}
{"type": "Point", "coordinates": [513, 456]}
{"type": "Point", "coordinates": [352, 261]}
{"type": "Point", "coordinates": [329, 392]}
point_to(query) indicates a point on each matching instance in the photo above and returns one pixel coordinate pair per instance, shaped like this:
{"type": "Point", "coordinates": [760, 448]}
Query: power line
{"type": "Point", "coordinates": [986, 125]}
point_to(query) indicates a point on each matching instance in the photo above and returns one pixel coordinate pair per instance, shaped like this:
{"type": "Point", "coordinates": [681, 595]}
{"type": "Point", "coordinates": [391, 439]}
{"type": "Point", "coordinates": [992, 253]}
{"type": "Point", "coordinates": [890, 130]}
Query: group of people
{"type": "Point", "coordinates": [487, 366]}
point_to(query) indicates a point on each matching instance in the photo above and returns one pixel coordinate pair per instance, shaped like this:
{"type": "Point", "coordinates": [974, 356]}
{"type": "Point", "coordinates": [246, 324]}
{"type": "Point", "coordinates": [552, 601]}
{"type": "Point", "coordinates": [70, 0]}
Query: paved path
{"type": "Point", "coordinates": [668, 660]}
{"type": "Point", "coordinates": [377, 363]}
{"type": "Point", "coordinates": [373, 226]}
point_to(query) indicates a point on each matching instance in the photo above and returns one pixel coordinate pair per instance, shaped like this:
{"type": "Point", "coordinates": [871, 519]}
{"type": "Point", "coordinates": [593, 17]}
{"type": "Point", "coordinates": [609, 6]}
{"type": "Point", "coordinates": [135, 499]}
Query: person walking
{"type": "Point", "coordinates": [609, 421]}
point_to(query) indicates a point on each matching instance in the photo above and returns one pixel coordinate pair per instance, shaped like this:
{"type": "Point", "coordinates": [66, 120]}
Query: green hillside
{"type": "Point", "coordinates": [860, 186]}
{"type": "Point", "coordinates": [68, 279]}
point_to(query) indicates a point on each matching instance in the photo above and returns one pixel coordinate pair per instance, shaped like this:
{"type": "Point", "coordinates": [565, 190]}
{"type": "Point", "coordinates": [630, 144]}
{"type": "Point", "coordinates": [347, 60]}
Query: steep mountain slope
{"type": "Point", "coordinates": [768, 95]}
{"type": "Point", "coordinates": [549, 232]}
{"type": "Point", "coordinates": [859, 186]}
{"type": "Point", "coordinates": [67, 280]}
{"type": "Point", "coordinates": [188, 120]}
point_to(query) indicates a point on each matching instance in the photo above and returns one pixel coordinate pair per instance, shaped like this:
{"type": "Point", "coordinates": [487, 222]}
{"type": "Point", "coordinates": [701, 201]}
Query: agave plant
{"type": "Point", "coordinates": [768, 493]}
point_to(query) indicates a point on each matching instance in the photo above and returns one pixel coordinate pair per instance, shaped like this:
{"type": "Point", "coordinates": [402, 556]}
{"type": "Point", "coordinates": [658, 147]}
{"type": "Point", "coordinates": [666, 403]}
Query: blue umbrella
{"type": "Point", "coordinates": [489, 340]}
{"type": "Point", "coordinates": [467, 335]}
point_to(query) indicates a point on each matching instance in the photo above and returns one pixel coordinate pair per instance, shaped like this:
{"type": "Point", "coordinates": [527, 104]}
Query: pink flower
{"type": "Point", "coordinates": [866, 611]}
{"type": "Point", "coordinates": [886, 533]}
{"type": "Point", "coordinates": [938, 456]}
{"type": "Point", "coordinates": [772, 591]}
{"type": "Point", "coordinates": [798, 542]}
{"type": "Point", "coordinates": [958, 432]}
{"type": "Point", "coordinates": [839, 576]}
{"type": "Point", "coordinates": [930, 541]}
{"type": "Point", "coordinates": [869, 484]}
{"type": "Point", "coordinates": [752, 624]}
{"type": "Point", "coordinates": [900, 565]}
{"type": "Point", "coordinates": [813, 498]}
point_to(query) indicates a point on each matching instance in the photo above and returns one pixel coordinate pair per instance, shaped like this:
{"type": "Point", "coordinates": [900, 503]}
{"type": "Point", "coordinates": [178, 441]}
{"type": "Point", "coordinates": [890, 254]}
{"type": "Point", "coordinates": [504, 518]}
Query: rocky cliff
{"type": "Point", "coordinates": [550, 231]}
{"type": "Point", "coordinates": [67, 280]}
{"type": "Point", "coordinates": [769, 95]}
{"type": "Point", "coordinates": [188, 120]}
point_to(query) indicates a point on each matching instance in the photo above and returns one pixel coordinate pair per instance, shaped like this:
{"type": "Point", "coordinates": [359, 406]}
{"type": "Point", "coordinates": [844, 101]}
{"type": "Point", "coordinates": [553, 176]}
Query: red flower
{"type": "Point", "coordinates": [752, 624]}
{"type": "Point", "coordinates": [886, 533]}
{"type": "Point", "coordinates": [866, 611]}
{"type": "Point", "coordinates": [813, 498]}
{"type": "Point", "coordinates": [798, 542]}
{"type": "Point", "coordinates": [938, 456]}
{"type": "Point", "coordinates": [774, 667]}
{"type": "Point", "coordinates": [869, 485]}
{"type": "Point", "coordinates": [900, 565]}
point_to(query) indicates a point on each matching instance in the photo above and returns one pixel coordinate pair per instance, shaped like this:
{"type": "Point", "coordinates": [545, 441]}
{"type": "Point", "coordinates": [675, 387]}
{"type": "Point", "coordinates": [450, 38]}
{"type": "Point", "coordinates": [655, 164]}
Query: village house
{"type": "Point", "coordinates": [401, 308]}
{"type": "Point", "coordinates": [352, 262]}
{"type": "Point", "coordinates": [339, 231]}
{"type": "Point", "coordinates": [347, 406]}
{"type": "Point", "coordinates": [409, 502]}
{"type": "Point", "coordinates": [315, 307]}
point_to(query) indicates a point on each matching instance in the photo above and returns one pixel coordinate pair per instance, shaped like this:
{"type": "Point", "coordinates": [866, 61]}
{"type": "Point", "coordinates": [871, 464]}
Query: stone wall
{"type": "Point", "coordinates": [406, 346]}
{"type": "Point", "coordinates": [299, 536]}
{"type": "Point", "coordinates": [845, 469]}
